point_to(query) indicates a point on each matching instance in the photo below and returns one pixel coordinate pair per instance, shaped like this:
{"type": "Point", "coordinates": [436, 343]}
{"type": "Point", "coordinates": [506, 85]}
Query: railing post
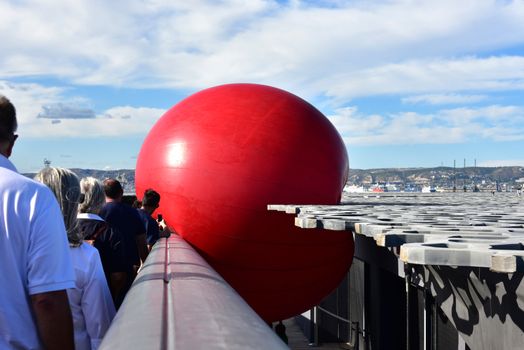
{"type": "Point", "coordinates": [313, 326]}
{"type": "Point", "coordinates": [407, 280]}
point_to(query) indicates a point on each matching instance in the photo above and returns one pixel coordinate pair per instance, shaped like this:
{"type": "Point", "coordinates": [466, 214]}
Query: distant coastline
{"type": "Point", "coordinates": [126, 176]}
{"type": "Point", "coordinates": [485, 178]}
{"type": "Point", "coordinates": [505, 178]}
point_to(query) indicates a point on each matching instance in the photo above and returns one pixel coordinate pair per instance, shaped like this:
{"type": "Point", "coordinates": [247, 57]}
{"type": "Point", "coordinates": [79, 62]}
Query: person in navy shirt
{"type": "Point", "coordinates": [125, 219]}
{"type": "Point", "coordinates": [154, 230]}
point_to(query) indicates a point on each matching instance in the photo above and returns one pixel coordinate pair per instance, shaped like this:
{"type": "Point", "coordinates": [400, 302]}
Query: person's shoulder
{"type": "Point", "coordinates": [133, 211]}
{"type": "Point", "coordinates": [16, 179]}
{"type": "Point", "coordinates": [26, 187]}
{"type": "Point", "coordinates": [89, 217]}
{"type": "Point", "coordinates": [150, 218]}
{"type": "Point", "coordinates": [108, 205]}
{"type": "Point", "coordinates": [89, 256]}
{"type": "Point", "coordinates": [91, 228]}
{"type": "Point", "coordinates": [142, 213]}
{"type": "Point", "coordinates": [106, 208]}
{"type": "Point", "coordinates": [89, 251]}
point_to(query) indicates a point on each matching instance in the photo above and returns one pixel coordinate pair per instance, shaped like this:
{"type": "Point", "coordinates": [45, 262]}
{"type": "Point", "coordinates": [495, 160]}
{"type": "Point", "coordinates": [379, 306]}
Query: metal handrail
{"type": "Point", "coordinates": [355, 328]}
{"type": "Point", "coordinates": [332, 314]}
{"type": "Point", "coordinates": [178, 301]}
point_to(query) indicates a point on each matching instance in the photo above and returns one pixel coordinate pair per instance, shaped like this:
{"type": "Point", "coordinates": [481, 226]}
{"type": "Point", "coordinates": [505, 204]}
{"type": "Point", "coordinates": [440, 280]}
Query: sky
{"type": "Point", "coordinates": [406, 83]}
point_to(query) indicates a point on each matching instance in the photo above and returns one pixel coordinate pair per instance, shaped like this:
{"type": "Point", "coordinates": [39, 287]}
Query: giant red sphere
{"type": "Point", "coordinates": [218, 158]}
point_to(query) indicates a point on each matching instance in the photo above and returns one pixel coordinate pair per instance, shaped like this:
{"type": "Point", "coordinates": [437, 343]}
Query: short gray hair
{"type": "Point", "coordinates": [66, 188]}
{"type": "Point", "coordinates": [94, 197]}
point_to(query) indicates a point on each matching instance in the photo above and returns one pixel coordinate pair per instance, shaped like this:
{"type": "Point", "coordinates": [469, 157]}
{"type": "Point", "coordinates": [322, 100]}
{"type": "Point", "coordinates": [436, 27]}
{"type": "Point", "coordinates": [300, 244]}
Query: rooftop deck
{"type": "Point", "coordinates": [455, 229]}
{"type": "Point", "coordinates": [430, 270]}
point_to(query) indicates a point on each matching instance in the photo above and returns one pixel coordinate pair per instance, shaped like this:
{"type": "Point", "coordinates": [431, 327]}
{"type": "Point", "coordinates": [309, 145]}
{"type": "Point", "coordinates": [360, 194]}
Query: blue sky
{"type": "Point", "coordinates": [406, 83]}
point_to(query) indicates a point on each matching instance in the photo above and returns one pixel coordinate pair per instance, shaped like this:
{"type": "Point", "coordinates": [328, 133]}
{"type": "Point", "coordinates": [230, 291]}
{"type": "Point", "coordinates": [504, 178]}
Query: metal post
{"type": "Point", "coordinates": [313, 314]}
{"type": "Point", "coordinates": [434, 324]}
{"type": "Point", "coordinates": [354, 332]}
{"type": "Point", "coordinates": [316, 326]}
{"type": "Point", "coordinates": [454, 176]}
{"type": "Point", "coordinates": [407, 279]}
{"type": "Point", "coordinates": [427, 320]}
{"type": "Point", "coordinates": [366, 314]}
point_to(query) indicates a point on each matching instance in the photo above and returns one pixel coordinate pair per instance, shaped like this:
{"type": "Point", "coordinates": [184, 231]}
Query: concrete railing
{"type": "Point", "coordinates": [179, 302]}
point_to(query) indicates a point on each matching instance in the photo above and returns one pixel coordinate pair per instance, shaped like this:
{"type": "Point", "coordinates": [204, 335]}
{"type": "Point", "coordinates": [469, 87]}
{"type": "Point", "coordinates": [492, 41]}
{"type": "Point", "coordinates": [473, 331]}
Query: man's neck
{"type": "Point", "coordinates": [113, 200]}
{"type": "Point", "coordinates": [6, 148]}
{"type": "Point", "coordinates": [3, 150]}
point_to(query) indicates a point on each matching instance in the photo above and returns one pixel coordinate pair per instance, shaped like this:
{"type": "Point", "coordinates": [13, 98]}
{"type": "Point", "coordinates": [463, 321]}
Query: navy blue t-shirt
{"type": "Point", "coordinates": [152, 230]}
{"type": "Point", "coordinates": [125, 219]}
{"type": "Point", "coordinates": [108, 242]}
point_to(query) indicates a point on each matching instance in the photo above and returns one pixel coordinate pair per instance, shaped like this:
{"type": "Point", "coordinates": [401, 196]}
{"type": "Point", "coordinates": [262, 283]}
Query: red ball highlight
{"type": "Point", "coordinates": [218, 158]}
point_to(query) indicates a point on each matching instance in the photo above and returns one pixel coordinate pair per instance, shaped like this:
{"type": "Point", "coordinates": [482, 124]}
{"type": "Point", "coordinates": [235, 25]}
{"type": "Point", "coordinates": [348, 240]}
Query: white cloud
{"type": "Point", "coordinates": [340, 48]}
{"type": "Point", "coordinates": [29, 99]}
{"type": "Point", "coordinates": [490, 115]}
{"type": "Point", "coordinates": [41, 112]}
{"type": "Point", "coordinates": [442, 75]}
{"type": "Point", "coordinates": [435, 52]}
{"type": "Point", "coordinates": [117, 122]}
{"type": "Point", "coordinates": [441, 99]}
{"type": "Point", "coordinates": [349, 120]}
{"type": "Point", "coordinates": [495, 123]}
{"type": "Point", "coordinates": [65, 111]}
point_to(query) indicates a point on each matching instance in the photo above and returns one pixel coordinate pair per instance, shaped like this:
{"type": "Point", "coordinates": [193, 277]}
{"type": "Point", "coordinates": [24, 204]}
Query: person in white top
{"type": "Point", "coordinates": [90, 300]}
{"type": "Point", "coordinates": [100, 235]}
{"type": "Point", "coordinates": [35, 264]}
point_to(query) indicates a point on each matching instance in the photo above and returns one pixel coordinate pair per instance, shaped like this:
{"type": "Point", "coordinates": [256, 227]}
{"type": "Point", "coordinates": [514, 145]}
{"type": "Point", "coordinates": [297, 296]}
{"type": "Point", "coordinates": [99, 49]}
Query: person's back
{"type": "Point", "coordinates": [149, 203]}
{"type": "Point", "coordinates": [100, 235]}
{"type": "Point", "coordinates": [90, 300]}
{"type": "Point", "coordinates": [35, 266]}
{"type": "Point", "coordinates": [126, 220]}
{"type": "Point", "coordinates": [107, 241]}
{"type": "Point", "coordinates": [27, 239]}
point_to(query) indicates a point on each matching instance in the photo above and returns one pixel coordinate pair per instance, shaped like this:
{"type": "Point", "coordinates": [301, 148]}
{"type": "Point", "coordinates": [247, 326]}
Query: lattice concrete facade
{"type": "Point", "coordinates": [462, 252]}
{"type": "Point", "coordinates": [456, 229]}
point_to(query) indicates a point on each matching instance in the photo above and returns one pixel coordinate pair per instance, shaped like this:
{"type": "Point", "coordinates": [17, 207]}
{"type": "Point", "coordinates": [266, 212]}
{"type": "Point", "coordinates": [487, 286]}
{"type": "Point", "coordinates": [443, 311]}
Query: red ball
{"type": "Point", "coordinates": [218, 158]}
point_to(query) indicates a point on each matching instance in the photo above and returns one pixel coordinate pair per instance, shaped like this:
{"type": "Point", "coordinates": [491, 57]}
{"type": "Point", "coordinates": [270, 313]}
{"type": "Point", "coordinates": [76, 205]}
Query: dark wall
{"type": "Point", "coordinates": [331, 329]}
{"type": "Point", "coordinates": [380, 295]}
{"type": "Point", "coordinates": [373, 300]}
{"type": "Point", "coordinates": [387, 310]}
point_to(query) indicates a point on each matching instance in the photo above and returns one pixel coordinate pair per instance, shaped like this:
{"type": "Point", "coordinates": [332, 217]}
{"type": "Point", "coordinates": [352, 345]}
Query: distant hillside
{"type": "Point", "coordinates": [126, 176]}
{"type": "Point", "coordinates": [439, 176]}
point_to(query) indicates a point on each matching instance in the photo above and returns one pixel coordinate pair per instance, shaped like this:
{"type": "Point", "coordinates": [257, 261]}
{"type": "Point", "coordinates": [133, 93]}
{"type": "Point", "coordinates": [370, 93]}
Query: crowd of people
{"type": "Point", "coordinates": [69, 251]}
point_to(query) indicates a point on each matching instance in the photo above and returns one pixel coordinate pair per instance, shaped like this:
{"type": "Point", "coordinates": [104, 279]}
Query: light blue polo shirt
{"type": "Point", "coordinates": [34, 254]}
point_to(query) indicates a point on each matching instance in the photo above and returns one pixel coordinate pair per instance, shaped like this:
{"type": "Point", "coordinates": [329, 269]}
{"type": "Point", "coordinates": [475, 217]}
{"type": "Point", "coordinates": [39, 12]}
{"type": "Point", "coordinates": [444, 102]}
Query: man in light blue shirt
{"type": "Point", "coordinates": [35, 264]}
